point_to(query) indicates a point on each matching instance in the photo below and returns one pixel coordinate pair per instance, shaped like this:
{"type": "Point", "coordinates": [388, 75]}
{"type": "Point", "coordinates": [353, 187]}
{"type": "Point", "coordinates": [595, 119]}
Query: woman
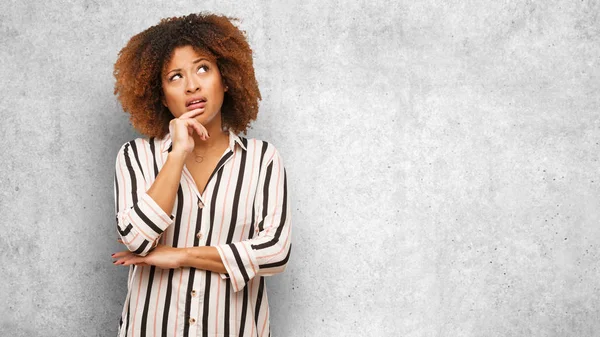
{"type": "Point", "coordinates": [203, 212]}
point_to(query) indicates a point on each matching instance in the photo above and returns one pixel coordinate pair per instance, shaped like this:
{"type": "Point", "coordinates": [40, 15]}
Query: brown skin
{"type": "Point", "coordinates": [189, 75]}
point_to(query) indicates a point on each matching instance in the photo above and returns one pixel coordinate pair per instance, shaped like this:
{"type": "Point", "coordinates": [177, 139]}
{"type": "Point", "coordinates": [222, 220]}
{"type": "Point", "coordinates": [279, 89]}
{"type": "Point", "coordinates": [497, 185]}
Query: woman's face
{"type": "Point", "coordinates": [190, 81]}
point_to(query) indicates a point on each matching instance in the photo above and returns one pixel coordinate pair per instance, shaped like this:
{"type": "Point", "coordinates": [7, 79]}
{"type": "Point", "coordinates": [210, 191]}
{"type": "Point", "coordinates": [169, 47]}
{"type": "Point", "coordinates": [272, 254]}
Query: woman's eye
{"type": "Point", "coordinates": [174, 77]}
{"type": "Point", "coordinates": [203, 69]}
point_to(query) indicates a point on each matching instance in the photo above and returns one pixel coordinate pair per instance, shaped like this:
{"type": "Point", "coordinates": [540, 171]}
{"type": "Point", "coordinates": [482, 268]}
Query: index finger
{"type": "Point", "coordinates": [191, 113]}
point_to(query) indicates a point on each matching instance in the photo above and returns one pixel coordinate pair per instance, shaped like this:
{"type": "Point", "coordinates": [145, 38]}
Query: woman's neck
{"type": "Point", "coordinates": [217, 138]}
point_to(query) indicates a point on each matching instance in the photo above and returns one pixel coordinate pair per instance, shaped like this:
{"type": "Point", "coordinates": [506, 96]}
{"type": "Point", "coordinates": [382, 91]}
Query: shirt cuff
{"type": "Point", "coordinates": [240, 262]}
{"type": "Point", "coordinates": [150, 220]}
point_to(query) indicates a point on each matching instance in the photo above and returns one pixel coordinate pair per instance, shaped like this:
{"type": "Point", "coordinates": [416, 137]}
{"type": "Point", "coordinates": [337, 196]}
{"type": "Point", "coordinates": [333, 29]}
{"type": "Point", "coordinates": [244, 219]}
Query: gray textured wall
{"type": "Point", "coordinates": [442, 160]}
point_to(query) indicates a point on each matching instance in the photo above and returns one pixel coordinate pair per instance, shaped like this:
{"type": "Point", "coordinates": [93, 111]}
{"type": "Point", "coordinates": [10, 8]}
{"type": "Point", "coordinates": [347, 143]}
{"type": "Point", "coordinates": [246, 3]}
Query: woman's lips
{"type": "Point", "coordinates": [196, 106]}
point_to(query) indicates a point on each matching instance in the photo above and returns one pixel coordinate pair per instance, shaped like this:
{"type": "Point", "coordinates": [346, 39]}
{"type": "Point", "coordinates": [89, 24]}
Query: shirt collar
{"type": "Point", "coordinates": [233, 138]}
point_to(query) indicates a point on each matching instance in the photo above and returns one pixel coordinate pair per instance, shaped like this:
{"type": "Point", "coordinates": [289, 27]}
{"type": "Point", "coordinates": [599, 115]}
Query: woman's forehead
{"type": "Point", "coordinates": [180, 56]}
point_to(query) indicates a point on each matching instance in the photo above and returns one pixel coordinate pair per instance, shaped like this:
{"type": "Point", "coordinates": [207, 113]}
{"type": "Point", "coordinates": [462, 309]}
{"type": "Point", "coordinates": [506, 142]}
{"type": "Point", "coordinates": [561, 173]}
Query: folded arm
{"type": "Point", "coordinates": [266, 253]}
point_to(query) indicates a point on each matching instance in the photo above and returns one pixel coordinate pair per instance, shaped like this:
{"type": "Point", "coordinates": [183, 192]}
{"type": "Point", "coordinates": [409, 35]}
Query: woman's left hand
{"type": "Point", "coordinates": [162, 256]}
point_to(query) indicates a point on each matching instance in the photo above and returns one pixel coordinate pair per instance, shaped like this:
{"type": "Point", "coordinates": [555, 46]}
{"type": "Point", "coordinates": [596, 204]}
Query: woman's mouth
{"type": "Point", "coordinates": [196, 104]}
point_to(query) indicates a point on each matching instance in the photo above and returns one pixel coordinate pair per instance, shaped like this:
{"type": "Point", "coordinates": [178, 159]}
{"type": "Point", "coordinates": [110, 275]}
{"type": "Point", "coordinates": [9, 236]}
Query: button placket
{"type": "Point", "coordinates": [196, 295]}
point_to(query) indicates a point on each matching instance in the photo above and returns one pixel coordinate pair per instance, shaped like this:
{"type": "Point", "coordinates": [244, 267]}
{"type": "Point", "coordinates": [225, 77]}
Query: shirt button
{"type": "Point", "coordinates": [200, 204]}
{"type": "Point", "coordinates": [192, 321]}
{"type": "Point", "coordinates": [199, 235]}
{"type": "Point", "coordinates": [193, 293]}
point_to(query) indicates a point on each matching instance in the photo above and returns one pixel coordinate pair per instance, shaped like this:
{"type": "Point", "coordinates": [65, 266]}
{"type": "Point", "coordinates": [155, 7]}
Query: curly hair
{"type": "Point", "coordinates": [141, 63]}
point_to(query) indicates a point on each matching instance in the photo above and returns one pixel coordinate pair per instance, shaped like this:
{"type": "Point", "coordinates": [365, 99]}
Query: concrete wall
{"type": "Point", "coordinates": [442, 160]}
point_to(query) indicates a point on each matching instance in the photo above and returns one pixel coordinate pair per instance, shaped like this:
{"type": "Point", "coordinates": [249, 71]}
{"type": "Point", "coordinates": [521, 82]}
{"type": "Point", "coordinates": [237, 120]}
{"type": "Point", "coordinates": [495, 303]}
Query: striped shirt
{"type": "Point", "coordinates": [244, 212]}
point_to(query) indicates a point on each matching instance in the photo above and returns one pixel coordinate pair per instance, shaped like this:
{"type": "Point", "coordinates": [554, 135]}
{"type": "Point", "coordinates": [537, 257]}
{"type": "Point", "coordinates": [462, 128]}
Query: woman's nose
{"type": "Point", "coordinates": [193, 84]}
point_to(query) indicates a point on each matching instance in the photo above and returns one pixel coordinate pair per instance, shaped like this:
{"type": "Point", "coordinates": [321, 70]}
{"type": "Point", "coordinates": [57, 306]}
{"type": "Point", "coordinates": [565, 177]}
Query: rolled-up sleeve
{"type": "Point", "coordinates": [268, 252]}
{"type": "Point", "coordinates": [140, 220]}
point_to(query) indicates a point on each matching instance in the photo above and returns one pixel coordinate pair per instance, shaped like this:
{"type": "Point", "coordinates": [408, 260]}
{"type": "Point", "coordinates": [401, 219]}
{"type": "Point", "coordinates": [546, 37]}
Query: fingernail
{"type": "Point", "coordinates": [113, 254]}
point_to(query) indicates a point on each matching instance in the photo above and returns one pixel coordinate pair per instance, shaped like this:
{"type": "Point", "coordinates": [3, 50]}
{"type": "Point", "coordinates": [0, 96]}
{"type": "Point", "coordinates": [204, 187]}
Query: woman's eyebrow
{"type": "Point", "coordinates": [200, 59]}
{"type": "Point", "coordinates": [194, 62]}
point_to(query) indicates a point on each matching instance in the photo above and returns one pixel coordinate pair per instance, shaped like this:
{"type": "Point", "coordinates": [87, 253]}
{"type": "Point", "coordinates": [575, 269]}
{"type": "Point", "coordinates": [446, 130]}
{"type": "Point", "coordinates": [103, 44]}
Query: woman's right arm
{"type": "Point", "coordinates": [143, 215]}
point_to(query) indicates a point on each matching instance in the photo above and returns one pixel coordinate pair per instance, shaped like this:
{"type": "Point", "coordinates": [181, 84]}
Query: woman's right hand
{"type": "Point", "coordinates": [182, 129]}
